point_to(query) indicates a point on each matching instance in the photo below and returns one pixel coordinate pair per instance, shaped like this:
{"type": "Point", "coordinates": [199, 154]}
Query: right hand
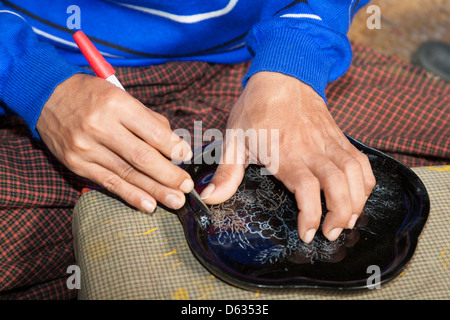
{"type": "Point", "coordinates": [310, 155]}
{"type": "Point", "coordinates": [102, 133]}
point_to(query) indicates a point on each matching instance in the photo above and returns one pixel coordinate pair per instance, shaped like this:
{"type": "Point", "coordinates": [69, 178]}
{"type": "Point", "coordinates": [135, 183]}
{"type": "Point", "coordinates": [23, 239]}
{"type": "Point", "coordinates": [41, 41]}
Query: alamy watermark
{"type": "Point", "coordinates": [74, 280]}
{"type": "Point", "coordinates": [374, 280]}
{"type": "Point", "coordinates": [74, 20]}
{"type": "Point", "coordinates": [236, 146]}
{"type": "Point", "coordinates": [374, 20]}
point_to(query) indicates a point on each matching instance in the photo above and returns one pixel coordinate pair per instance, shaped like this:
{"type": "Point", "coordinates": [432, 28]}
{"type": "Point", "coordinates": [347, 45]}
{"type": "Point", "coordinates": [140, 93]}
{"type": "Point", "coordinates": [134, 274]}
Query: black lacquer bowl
{"type": "Point", "coordinates": [251, 240]}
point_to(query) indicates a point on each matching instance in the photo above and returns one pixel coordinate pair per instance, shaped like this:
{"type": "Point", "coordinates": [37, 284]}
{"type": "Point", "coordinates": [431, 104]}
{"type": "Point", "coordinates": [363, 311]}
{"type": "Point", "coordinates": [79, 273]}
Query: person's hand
{"type": "Point", "coordinates": [313, 154]}
{"type": "Point", "coordinates": [102, 133]}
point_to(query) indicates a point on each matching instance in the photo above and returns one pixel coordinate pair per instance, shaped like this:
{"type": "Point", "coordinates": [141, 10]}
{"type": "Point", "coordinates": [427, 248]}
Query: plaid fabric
{"type": "Point", "coordinates": [381, 101]}
{"type": "Point", "coordinates": [37, 195]}
{"type": "Point", "coordinates": [394, 107]}
{"type": "Point", "coordinates": [127, 254]}
{"type": "Point", "coordinates": [187, 92]}
{"type": "Point", "coordinates": [36, 248]}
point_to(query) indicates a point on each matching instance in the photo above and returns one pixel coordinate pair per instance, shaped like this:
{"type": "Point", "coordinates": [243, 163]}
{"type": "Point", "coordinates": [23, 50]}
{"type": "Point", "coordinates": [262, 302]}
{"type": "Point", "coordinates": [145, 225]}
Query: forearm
{"type": "Point", "coordinates": [29, 70]}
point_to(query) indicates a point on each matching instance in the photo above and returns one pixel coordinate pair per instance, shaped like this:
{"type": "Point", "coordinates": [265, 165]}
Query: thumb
{"type": "Point", "coordinates": [228, 176]}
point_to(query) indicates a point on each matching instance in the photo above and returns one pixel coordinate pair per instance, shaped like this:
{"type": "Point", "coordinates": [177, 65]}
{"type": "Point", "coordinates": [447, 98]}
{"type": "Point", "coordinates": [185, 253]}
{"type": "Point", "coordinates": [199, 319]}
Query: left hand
{"type": "Point", "coordinates": [313, 154]}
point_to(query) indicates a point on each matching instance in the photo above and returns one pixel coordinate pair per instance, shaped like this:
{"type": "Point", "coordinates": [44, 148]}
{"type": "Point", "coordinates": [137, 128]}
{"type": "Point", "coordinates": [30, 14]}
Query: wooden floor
{"type": "Point", "coordinates": [405, 24]}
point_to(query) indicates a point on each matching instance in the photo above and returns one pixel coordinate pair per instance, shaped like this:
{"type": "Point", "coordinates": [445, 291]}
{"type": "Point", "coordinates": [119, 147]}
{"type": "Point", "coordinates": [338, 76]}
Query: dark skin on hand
{"type": "Point", "coordinates": [102, 133]}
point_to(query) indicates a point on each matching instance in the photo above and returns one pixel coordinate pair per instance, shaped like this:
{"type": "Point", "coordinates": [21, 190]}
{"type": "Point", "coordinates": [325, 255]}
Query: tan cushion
{"type": "Point", "coordinates": [127, 254]}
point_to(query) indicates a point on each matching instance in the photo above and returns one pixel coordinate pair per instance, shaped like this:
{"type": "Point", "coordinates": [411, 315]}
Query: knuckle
{"type": "Point", "coordinates": [71, 160]}
{"type": "Point", "coordinates": [335, 175]}
{"type": "Point", "coordinates": [155, 191]}
{"type": "Point", "coordinates": [110, 98]}
{"type": "Point", "coordinates": [370, 182]}
{"type": "Point", "coordinates": [91, 123]}
{"type": "Point", "coordinates": [142, 157]}
{"type": "Point", "coordinates": [310, 219]}
{"type": "Point", "coordinates": [309, 182]}
{"type": "Point", "coordinates": [163, 120]}
{"type": "Point", "coordinates": [79, 144]}
{"type": "Point", "coordinates": [351, 164]}
{"type": "Point", "coordinates": [126, 173]}
{"type": "Point", "coordinates": [361, 157]}
{"type": "Point", "coordinates": [112, 183]}
{"type": "Point", "coordinates": [363, 160]}
{"type": "Point", "coordinates": [158, 133]}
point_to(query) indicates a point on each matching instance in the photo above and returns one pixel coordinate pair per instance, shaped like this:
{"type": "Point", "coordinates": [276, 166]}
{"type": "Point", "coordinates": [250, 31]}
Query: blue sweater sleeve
{"type": "Point", "coordinates": [306, 39]}
{"type": "Point", "coordinates": [29, 70]}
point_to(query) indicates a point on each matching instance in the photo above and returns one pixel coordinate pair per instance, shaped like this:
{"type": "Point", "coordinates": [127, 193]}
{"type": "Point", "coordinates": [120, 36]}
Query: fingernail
{"type": "Point", "coordinates": [334, 234]}
{"type": "Point", "coordinates": [309, 235]}
{"type": "Point", "coordinates": [206, 193]}
{"type": "Point", "coordinates": [148, 206]}
{"type": "Point", "coordinates": [173, 201]}
{"type": "Point", "coordinates": [188, 156]}
{"type": "Point", "coordinates": [352, 221]}
{"type": "Point", "coordinates": [187, 186]}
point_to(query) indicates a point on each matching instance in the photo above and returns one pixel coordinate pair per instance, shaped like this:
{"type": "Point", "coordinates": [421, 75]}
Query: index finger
{"type": "Point", "coordinates": [155, 129]}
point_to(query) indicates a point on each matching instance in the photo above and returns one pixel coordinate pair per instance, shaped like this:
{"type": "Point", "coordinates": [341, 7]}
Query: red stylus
{"type": "Point", "coordinates": [101, 67]}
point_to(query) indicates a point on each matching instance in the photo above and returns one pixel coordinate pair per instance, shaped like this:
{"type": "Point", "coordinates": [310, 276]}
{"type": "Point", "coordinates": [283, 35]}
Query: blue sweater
{"type": "Point", "coordinates": [302, 38]}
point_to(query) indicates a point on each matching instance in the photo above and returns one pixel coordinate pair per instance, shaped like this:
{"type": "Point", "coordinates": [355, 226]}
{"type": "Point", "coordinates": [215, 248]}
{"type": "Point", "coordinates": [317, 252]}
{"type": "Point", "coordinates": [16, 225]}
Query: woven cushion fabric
{"type": "Point", "coordinates": [127, 254]}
